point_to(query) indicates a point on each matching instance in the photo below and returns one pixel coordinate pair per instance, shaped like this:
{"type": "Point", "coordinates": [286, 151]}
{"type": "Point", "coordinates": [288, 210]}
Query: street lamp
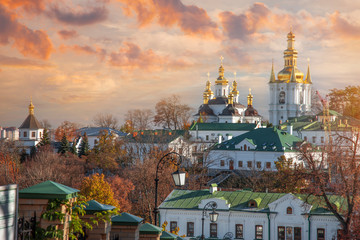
{"type": "Point", "coordinates": [213, 215]}
{"type": "Point", "coordinates": [178, 176]}
{"type": "Point", "coordinates": [228, 236]}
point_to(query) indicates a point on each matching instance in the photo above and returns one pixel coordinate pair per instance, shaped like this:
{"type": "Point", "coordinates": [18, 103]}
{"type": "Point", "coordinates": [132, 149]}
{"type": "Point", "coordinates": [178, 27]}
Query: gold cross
{"type": "Point", "coordinates": [208, 74]}
{"type": "Point", "coordinates": [221, 59]}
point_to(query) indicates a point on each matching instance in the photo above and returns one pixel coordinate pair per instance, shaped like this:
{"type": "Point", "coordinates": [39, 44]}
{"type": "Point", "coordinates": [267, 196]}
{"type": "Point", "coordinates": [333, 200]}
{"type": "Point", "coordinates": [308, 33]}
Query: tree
{"type": "Point", "coordinates": [64, 145]}
{"type": "Point", "coordinates": [334, 173]}
{"type": "Point", "coordinates": [316, 105]}
{"type": "Point", "coordinates": [97, 188]}
{"type": "Point", "coordinates": [84, 146]}
{"type": "Point", "coordinates": [139, 119]}
{"type": "Point", "coordinates": [45, 140]}
{"type": "Point", "coordinates": [106, 120]}
{"type": "Point", "coordinates": [346, 101]}
{"type": "Point", "coordinates": [9, 163]}
{"type": "Point", "coordinates": [45, 124]}
{"type": "Point", "coordinates": [67, 128]}
{"type": "Point", "coordinates": [121, 188]}
{"type": "Point", "coordinates": [171, 114]}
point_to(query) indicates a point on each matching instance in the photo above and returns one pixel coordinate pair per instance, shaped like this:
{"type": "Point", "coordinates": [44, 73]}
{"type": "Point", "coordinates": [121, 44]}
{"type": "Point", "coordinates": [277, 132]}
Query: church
{"type": "Point", "coordinates": [290, 92]}
{"type": "Point", "coordinates": [223, 106]}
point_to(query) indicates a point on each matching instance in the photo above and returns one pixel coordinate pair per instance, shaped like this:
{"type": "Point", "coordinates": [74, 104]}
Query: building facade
{"type": "Point", "coordinates": [249, 215]}
{"type": "Point", "coordinates": [290, 92]}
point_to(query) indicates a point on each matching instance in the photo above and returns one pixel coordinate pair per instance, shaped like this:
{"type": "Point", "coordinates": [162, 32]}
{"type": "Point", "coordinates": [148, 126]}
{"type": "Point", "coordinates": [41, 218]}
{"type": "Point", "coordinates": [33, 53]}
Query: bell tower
{"type": "Point", "coordinates": [290, 93]}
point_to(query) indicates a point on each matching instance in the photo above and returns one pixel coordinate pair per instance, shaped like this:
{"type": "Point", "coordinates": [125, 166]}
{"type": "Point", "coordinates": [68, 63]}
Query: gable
{"type": "Point", "coordinates": [298, 206]}
{"type": "Point", "coordinates": [246, 144]}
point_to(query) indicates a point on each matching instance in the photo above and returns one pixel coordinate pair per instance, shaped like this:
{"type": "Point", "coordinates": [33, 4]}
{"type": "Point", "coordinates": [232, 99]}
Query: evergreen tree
{"type": "Point", "coordinates": [64, 145]}
{"type": "Point", "coordinates": [84, 146]}
{"type": "Point", "coordinates": [73, 148]}
{"type": "Point", "coordinates": [45, 140]}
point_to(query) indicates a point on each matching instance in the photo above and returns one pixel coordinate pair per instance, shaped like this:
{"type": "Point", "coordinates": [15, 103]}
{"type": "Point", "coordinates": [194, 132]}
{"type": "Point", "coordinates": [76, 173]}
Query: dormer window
{"type": "Point", "coordinates": [252, 204]}
{"type": "Point", "coordinates": [289, 210]}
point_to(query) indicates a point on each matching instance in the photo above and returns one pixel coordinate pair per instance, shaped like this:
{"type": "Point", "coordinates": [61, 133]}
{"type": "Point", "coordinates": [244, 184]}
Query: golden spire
{"type": "Point", "coordinates": [293, 77]}
{"type": "Point", "coordinates": [208, 91]}
{"type": "Point", "coordinates": [308, 77]}
{"type": "Point", "coordinates": [231, 99]}
{"type": "Point", "coordinates": [272, 75]}
{"type": "Point", "coordinates": [250, 98]}
{"type": "Point", "coordinates": [221, 80]}
{"type": "Point", "coordinates": [206, 98]}
{"type": "Point", "coordinates": [31, 107]}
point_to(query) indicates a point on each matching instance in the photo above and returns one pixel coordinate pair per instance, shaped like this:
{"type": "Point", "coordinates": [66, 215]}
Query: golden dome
{"type": "Point", "coordinates": [285, 75]}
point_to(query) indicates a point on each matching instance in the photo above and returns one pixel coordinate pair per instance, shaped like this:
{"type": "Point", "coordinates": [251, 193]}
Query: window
{"type": "Point", "coordinates": [222, 163]}
{"type": "Point", "coordinates": [213, 230]}
{"type": "Point", "coordinates": [239, 231]}
{"type": "Point", "coordinates": [240, 164]}
{"type": "Point", "coordinates": [33, 134]}
{"type": "Point", "coordinates": [314, 139]}
{"type": "Point", "coordinates": [289, 234]}
{"type": "Point", "coordinates": [305, 138]}
{"type": "Point", "coordinates": [289, 210]}
{"type": "Point", "coordinates": [322, 139]}
{"type": "Point", "coordinates": [25, 134]}
{"type": "Point", "coordinates": [207, 137]}
{"type": "Point", "coordinates": [320, 234]}
{"type": "Point", "coordinates": [194, 148]}
{"type": "Point", "coordinates": [297, 233]}
{"type": "Point", "coordinates": [173, 225]}
{"type": "Point", "coordinates": [40, 134]}
{"type": "Point", "coordinates": [258, 164]}
{"type": "Point", "coordinates": [258, 232]}
{"type": "Point", "coordinates": [95, 142]}
{"type": "Point", "coordinates": [249, 164]}
{"type": "Point", "coordinates": [268, 164]}
{"type": "Point", "coordinates": [190, 229]}
{"type": "Point", "coordinates": [281, 233]}
{"type": "Point", "coordinates": [245, 147]}
{"type": "Point", "coordinates": [114, 236]}
{"type": "Point", "coordinates": [252, 204]}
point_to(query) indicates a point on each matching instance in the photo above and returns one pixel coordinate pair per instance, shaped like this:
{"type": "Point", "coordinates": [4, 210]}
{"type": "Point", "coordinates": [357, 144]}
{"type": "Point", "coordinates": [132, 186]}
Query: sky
{"type": "Point", "coordinates": [78, 58]}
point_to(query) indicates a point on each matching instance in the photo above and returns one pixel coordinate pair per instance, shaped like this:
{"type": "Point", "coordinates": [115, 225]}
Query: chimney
{"type": "Point", "coordinates": [213, 188]}
{"type": "Point", "coordinates": [290, 129]}
{"type": "Point", "coordinates": [220, 139]}
{"type": "Point", "coordinates": [229, 137]}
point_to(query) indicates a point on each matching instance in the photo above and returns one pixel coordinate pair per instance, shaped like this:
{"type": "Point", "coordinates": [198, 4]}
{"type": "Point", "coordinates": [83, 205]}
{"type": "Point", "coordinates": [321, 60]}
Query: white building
{"type": "Point", "coordinates": [249, 215]}
{"type": "Point", "coordinates": [9, 133]}
{"type": "Point", "coordinates": [223, 106]}
{"type": "Point", "coordinates": [93, 134]}
{"type": "Point", "coordinates": [30, 131]}
{"type": "Point", "coordinates": [254, 150]}
{"type": "Point", "coordinates": [290, 93]}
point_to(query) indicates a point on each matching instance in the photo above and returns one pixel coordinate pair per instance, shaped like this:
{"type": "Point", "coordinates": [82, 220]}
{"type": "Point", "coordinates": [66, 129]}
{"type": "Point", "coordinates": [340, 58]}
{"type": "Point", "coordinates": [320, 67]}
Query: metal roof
{"type": "Point", "coordinates": [223, 126]}
{"type": "Point", "coordinates": [126, 219]}
{"type": "Point", "coordinates": [31, 122]}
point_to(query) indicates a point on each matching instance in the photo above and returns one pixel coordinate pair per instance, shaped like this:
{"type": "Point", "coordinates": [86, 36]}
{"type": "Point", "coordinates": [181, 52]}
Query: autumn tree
{"type": "Point", "coordinates": [47, 165]}
{"type": "Point", "coordinates": [106, 120]}
{"type": "Point", "coordinates": [9, 163]}
{"type": "Point", "coordinates": [84, 146]}
{"type": "Point", "coordinates": [316, 105]}
{"type": "Point", "coordinates": [346, 101]}
{"type": "Point", "coordinates": [334, 174]}
{"type": "Point", "coordinates": [105, 153]}
{"type": "Point", "coordinates": [170, 113]}
{"type": "Point", "coordinates": [67, 128]}
{"type": "Point", "coordinates": [139, 119]}
{"type": "Point", "coordinates": [97, 188]}
{"type": "Point", "coordinates": [122, 188]}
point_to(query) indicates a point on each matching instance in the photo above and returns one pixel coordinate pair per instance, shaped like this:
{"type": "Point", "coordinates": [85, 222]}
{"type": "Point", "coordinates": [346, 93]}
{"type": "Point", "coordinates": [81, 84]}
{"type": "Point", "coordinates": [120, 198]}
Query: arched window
{"type": "Point", "coordinates": [245, 147]}
{"type": "Point", "coordinates": [289, 210]}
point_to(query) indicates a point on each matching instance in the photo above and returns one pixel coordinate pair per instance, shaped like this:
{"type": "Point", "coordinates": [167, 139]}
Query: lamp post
{"type": "Point", "coordinates": [178, 177]}
{"type": "Point", "coordinates": [213, 215]}
{"type": "Point", "coordinates": [228, 236]}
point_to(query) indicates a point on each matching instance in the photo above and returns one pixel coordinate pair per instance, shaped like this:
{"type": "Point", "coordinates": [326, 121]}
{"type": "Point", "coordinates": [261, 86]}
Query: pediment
{"type": "Point", "coordinates": [289, 200]}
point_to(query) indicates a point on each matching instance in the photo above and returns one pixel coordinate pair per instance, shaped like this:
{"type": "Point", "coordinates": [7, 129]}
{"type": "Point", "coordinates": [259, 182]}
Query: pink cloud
{"type": "Point", "coordinates": [27, 41]}
{"type": "Point", "coordinates": [35, 6]}
{"type": "Point", "coordinates": [85, 49]}
{"type": "Point", "coordinates": [132, 56]}
{"type": "Point", "coordinates": [67, 34]}
{"type": "Point", "coordinates": [191, 19]}
{"type": "Point", "coordinates": [343, 27]}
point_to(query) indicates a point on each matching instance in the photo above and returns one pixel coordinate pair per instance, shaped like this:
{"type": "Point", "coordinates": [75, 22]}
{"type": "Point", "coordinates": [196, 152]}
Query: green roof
{"type": "Point", "coordinates": [167, 235]}
{"type": "Point", "coordinates": [148, 228]}
{"type": "Point", "coordinates": [239, 200]}
{"type": "Point", "coordinates": [48, 190]}
{"type": "Point", "coordinates": [223, 126]}
{"type": "Point", "coordinates": [93, 206]}
{"type": "Point", "coordinates": [126, 219]}
{"type": "Point", "coordinates": [265, 139]}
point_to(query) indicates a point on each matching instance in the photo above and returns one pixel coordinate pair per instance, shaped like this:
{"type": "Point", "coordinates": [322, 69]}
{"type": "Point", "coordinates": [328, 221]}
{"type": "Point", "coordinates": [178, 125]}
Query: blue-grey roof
{"type": "Point", "coordinates": [95, 131]}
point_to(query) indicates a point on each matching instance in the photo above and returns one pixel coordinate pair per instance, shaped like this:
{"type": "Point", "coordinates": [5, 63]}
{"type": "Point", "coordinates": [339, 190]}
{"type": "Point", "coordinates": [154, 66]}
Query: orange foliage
{"type": "Point", "coordinates": [122, 188]}
{"type": "Point", "coordinates": [9, 169]}
{"type": "Point", "coordinates": [67, 128]}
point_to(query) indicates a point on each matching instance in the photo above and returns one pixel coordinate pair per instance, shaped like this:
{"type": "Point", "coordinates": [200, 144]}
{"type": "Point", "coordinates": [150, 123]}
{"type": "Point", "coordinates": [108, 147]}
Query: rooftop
{"type": "Point", "coordinates": [223, 126]}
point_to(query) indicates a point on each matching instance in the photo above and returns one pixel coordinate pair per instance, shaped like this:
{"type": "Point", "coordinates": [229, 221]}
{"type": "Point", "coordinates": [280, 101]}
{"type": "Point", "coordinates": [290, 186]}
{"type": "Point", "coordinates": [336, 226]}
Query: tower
{"type": "Point", "coordinates": [290, 93]}
{"type": "Point", "coordinates": [221, 83]}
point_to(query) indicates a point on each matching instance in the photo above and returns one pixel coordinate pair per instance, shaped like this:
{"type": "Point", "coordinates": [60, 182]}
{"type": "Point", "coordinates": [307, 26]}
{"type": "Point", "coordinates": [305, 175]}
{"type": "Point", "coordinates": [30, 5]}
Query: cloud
{"type": "Point", "coordinates": [28, 42]}
{"type": "Point", "coordinates": [18, 62]}
{"type": "Point", "coordinates": [191, 19]}
{"type": "Point", "coordinates": [343, 27]}
{"type": "Point", "coordinates": [67, 34]}
{"type": "Point", "coordinates": [85, 49]}
{"type": "Point", "coordinates": [78, 17]}
{"type": "Point", "coordinates": [132, 56]}
{"type": "Point", "coordinates": [34, 6]}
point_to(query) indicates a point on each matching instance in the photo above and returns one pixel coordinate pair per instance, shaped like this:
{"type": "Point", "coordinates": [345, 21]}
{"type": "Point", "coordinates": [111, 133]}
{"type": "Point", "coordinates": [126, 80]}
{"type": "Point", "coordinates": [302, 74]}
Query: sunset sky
{"type": "Point", "coordinates": [80, 58]}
